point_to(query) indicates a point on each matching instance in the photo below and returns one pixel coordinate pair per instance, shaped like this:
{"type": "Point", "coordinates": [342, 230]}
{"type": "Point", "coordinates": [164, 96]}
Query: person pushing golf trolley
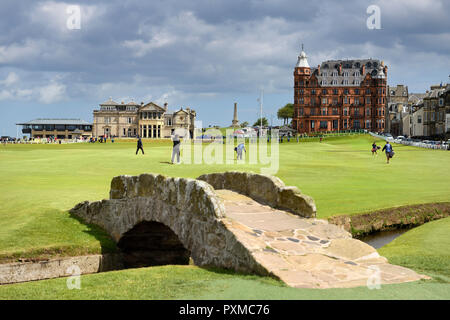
{"type": "Point", "coordinates": [389, 151]}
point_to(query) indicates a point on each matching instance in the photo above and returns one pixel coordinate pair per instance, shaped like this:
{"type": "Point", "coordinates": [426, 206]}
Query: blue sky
{"type": "Point", "coordinates": [202, 54]}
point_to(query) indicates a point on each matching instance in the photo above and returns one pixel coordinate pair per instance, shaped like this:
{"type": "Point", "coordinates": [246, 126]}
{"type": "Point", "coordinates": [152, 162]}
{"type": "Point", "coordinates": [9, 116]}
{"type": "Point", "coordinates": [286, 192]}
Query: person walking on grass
{"type": "Point", "coordinates": [139, 146]}
{"type": "Point", "coordinates": [389, 151]}
{"type": "Point", "coordinates": [374, 148]}
{"type": "Point", "coordinates": [239, 149]}
{"type": "Point", "coordinates": [176, 149]}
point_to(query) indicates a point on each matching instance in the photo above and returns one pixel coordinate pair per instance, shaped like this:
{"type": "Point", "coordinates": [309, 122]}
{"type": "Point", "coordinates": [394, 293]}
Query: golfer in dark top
{"type": "Point", "coordinates": [389, 151]}
{"type": "Point", "coordinates": [139, 146]}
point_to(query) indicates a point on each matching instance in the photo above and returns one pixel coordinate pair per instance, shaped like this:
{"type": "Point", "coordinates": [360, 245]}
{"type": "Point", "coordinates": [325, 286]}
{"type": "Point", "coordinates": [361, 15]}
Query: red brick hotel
{"type": "Point", "coordinates": [339, 95]}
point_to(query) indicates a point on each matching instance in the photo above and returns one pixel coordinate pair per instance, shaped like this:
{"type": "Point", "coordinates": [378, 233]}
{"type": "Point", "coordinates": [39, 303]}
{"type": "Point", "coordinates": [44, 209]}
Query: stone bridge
{"type": "Point", "coordinates": [246, 222]}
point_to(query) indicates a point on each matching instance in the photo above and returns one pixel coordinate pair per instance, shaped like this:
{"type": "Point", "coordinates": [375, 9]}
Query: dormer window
{"type": "Point", "coordinates": [357, 74]}
{"type": "Point", "coordinates": [345, 73]}
{"type": "Point", "coordinates": [334, 82]}
{"type": "Point", "coordinates": [324, 74]}
{"type": "Point", "coordinates": [345, 82]}
{"type": "Point", "coordinates": [334, 74]}
{"type": "Point", "coordinates": [357, 82]}
{"type": "Point", "coordinates": [324, 82]}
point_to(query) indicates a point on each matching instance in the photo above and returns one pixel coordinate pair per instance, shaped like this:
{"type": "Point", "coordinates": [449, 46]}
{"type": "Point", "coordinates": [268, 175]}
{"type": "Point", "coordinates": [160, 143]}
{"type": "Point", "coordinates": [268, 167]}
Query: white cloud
{"type": "Point", "coordinates": [54, 92]}
{"type": "Point", "coordinates": [10, 79]}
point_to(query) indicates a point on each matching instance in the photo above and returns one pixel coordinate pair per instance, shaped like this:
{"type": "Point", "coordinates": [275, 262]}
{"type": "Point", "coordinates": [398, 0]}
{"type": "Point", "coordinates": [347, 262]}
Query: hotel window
{"type": "Point", "coordinates": [357, 101]}
{"type": "Point", "coordinates": [345, 124]}
{"type": "Point", "coordinates": [312, 112]}
{"type": "Point", "coordinates": [356, 112]}
{"type": "Point", "coordinates": [334, 74]}
{"type": "Point", "coordinates": [345, 82]}
{"type": "Point", "coordinates": [324, 74]}
{"type": "Point", "coordinates": [324, 101]}
{"type": "Point", "coordinates": [313, 101]}
{"type": "Point", "coordinates": [367, 91]}
{"type": "Point", "coordinates": [356, 91]}
{"type": "Point", "coordinates": [357, 74]}
{"type": "Point", "coordinates": [345, 100]}
{"type": "Point", "coordinates": [324, 82]}
{"type": "Point", "coordinates": [324, 91]}
{"type": "Point", "coordinates": [313, 91]}
{"type": "Point", "coordinates": [334, 82]}
{"type": "Point", "coordinates": [130, 121]}
{"type": "Point", "coordinates": [345, 73]}
{"type": "Point", "coordinates": [345, 111]}
{"type": "Point", "coordinates": [323, 125]}
{"type": "Point", "coordinates": [356, 124]}
{"type": "Point", "coordinates": [357, 82]}
{"type": "Point", "coordinates": [345, 91]}
{"type": "Point", "coordinates": [301, 111]}
{"type": "Point", "coordinates": [367, 124]}
{"type": "Point", "coordinates": [324, 111]}
{"type": "Point", "coordinates": [335, 91]}
{"type": "Point", "coordinates": [335, 124]}
{"type": "Point", "coordinates": [368, 100]}
{"type": "Point", "coordinates": [312, 124]}
{"type": "Point", "coordinates": [301, 100]}
{"type": "Point", "coordinates": [335, 112]}
{"type": "Point", "coordinates": [367, 111]}
{"type": "Point", "coordinates": [335, 101]}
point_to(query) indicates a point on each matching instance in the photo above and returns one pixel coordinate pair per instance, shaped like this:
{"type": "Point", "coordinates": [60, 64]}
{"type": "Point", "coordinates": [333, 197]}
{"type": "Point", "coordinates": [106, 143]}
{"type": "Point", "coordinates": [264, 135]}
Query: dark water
{"type": "Point", "coordinates": [379, 239]}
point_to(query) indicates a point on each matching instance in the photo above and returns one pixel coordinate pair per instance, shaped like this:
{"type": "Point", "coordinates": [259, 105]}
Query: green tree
{"type": "Point", "coordinates": [265, 122]}
{"type": "Point", "coordinates": [244, 124]}
{"type": "Point", "coordinates": [286, 113]}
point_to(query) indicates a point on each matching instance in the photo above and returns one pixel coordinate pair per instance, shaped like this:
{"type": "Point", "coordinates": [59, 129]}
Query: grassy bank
{"type": "Point", "coordinates": [425, 249]}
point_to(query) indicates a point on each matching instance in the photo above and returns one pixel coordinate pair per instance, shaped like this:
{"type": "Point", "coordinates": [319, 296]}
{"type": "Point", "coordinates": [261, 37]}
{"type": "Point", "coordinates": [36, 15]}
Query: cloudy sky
{"type": "Point", "coordinates": [201, 54]}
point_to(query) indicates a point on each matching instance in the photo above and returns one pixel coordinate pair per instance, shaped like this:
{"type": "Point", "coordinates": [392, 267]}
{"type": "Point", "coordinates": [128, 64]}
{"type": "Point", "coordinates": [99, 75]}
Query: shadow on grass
{"type": "Point", "coordinates": [107, 244]}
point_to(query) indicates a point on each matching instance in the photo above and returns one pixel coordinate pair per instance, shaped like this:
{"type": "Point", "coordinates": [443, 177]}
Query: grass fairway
{"type": "Point", "coordinates": [39, 183]}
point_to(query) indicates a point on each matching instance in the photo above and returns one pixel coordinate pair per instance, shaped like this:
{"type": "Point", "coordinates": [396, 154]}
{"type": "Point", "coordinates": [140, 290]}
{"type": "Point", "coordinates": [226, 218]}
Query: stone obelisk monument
{"type": "Point", "coordinates": [235, 122]}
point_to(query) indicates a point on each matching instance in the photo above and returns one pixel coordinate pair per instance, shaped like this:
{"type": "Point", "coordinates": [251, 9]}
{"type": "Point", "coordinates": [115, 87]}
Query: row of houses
{"type": "Point", "coordinates": [422, 115]}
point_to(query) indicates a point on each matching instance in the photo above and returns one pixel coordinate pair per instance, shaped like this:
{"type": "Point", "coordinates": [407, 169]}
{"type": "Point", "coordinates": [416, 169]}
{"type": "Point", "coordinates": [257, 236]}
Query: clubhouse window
{"type": "Point", "coordinates": [335, 124]}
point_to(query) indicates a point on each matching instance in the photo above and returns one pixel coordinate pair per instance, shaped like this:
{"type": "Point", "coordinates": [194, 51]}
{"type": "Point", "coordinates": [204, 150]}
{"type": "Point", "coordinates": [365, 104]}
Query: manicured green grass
{"type": "Point", "coordinates": [189, 282]}
{"type": "Point", "coordinates": [425, 249]}
{"type": "Point", "coordinates": [40, 183]}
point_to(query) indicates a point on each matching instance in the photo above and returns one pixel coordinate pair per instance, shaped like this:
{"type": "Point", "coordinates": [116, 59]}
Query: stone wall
{"type": "Point", "coordinates": [391, 218]}
{"type": "Point", "coordinates": [266, 189]}
{"type": "Point", "coordinates": [60, 267]}
{"type": "Point", "coordinates": [190, 208]}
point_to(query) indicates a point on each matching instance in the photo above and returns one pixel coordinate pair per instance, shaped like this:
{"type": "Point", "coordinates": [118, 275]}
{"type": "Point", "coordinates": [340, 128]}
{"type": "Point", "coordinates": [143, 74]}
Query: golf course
{"type": "Point", "coordinates": [40, 183]}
